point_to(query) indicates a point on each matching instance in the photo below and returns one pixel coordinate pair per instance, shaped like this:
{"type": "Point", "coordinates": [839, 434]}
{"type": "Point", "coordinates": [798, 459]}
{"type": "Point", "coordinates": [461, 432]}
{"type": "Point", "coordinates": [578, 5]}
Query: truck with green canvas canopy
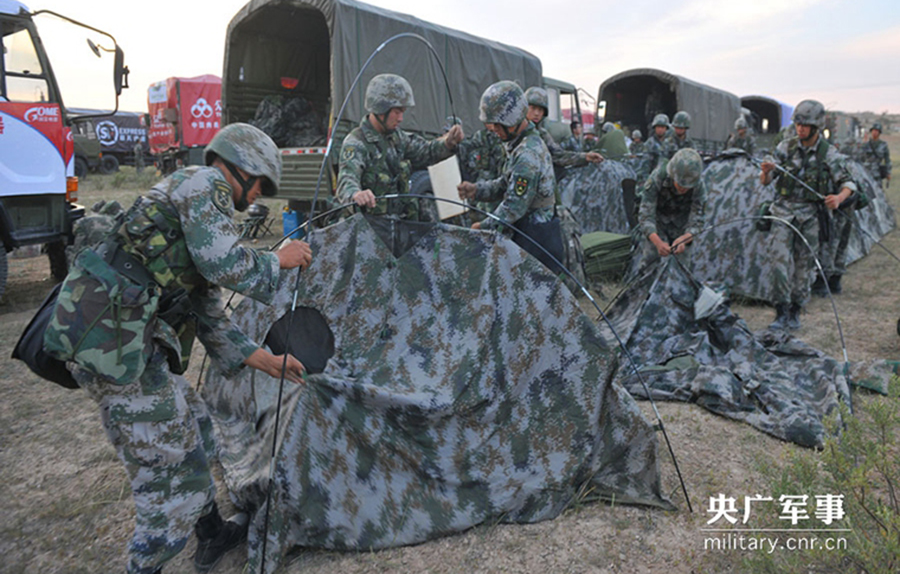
{"type": "Point", "coordinates": [299, 58]}
{"type": "Point", "coordinates": [634, 97]}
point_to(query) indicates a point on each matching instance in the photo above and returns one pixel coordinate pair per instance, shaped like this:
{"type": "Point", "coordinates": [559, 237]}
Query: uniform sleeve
{"type": "Point", "coordinates": [840, 173]}
{"type": "Point", "coordinates": [522, 184]}
{"type": "Point", "coordinates": [649, 197]}
{"type": "Point", "coordinates": [350, 170]}
{"type": "Point", "coordinates": [421, 152]}
{"type": "Point", "coordinates": [225, 343]}
{"type": "Point", "coordinates": [887, 157]}
{"type": "Point", "coordinates": [206, 210]}
{"type": "Point", "coordinates": [561, 157]}
{"type": "Point", "coordinates": [491, 189]}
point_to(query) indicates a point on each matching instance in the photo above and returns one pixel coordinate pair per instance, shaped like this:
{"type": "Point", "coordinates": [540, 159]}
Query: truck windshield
{"type": "Point", "coordinates": [23, 76]}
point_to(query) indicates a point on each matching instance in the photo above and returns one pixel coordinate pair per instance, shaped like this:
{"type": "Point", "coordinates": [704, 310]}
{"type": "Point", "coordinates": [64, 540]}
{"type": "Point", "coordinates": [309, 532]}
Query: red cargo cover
{"type": "Point", "coordinates": [184, 112]}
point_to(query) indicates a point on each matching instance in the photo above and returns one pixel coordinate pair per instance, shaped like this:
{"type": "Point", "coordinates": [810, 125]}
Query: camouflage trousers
{"type": "Point", "coordinates": [162, 433]}
{"type": "Point", "coordinates": [833, 255]}
{"type": "Point", "coordinates": [792, 260]}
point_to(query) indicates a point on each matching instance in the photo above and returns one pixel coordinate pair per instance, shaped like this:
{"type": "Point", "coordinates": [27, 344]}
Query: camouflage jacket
{"type": "Point", "coordinates": [655, 149]}
{"type": "Point", "coordinates": [746, 143]}
{"type": "Point", "coordinates": [383, 164]}
{"type": "Point", "coordinates": [571, 143]}
{"type": "Point", "coordinates": [527, 186]}
{"type": "Point", "coordinates": [665, 212]}
{"type": "Point", "coordinates": [559, 156]}
{"type": "Point", "coordinates": [874, 155]}
{"type": "Point", "coordinates": [481, 156]}
{"type": "Point", "coordinates": [196, 202]}
{"type": "Point", "coordinates": [637, 148]}
{"type": "Point", "coordinates": [803, 162]}
{"type": "Point", "coordinates": [673, 143]}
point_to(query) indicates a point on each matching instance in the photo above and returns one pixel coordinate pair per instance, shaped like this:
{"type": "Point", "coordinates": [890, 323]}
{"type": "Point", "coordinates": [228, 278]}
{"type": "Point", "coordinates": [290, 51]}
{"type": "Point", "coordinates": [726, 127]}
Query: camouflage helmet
{"type": "Point", "coordinates": [250, 149]}
{"type": "Point", "coordinates": [386, 91]}
{"type": "Point", "coordinates": [660, 120]}
{"type": "Point", "coordinates": [503, 103]}
{"type": "Point", "coordinates": [685, 167]}
{"type": "Point", "coordinates": [450, 122]}
{"type": "Point", "coordinates": [636, 135]}
{"type": "Point", "coordinates": [876, 126]}
{"type": "Point", "coordinates": [741, 123]}
{"type": "Point", "coordinates": [682, 119]}
{"type": "Point", "coordinates": [608, 127]}
{"type": "Point", "coordinates": [536, 96]}
{"type": "Point", "coordinates": [810, 113]}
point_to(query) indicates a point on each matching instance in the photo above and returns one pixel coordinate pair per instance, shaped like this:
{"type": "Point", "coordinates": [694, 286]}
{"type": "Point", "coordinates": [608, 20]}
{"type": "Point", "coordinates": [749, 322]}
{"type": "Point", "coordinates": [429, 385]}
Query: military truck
{"type": "Point", "coordinates": [38, 189]}
{"type": "Point", "coordinates": [305, 54]}
{"type": "Point", "coordinates": [116, 135]}
{"type": "Point", "coordinates": [634, 97]}
{"type": "Point", "coordinates": [185, 114]}
{"type": "Point", "coordinates": [766, 117]}
{"type": "Point", "coordinates": [87, 148]}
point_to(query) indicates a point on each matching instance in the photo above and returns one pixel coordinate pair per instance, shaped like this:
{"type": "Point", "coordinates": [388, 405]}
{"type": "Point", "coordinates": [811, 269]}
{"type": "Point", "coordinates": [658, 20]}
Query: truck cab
{"type": "Point", "coordinates": [38, 188]}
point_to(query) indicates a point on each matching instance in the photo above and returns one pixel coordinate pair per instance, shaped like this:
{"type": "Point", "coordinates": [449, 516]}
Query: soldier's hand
{"type": "Point", "coordinates": [680, 244]}
{"type": "Point", "coordinates": [454, 136]}
{"type": "Point", "coordinates": [270, 364]}
{"type": "Point", "coordinates": [476, 225]}
{"type": "Point", "coordinates": [466, 190]}
{"type": "Point", "coordinates": [593, 157]}
{"type": "Point", "coordinates": [294, 254]}
{"type": "Point", "coordinates": [663, 248]}
{"type": "Point", "coordinates": [364, 198]}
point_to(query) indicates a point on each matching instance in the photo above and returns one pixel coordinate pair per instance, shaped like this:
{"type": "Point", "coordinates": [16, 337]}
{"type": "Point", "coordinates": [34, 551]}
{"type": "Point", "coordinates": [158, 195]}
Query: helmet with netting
{"type": "Point", "coordinates": [250, 149]}
{"type": "Point", "coordinates": [660, 120]}
{"type": "Point", "coordinates": [503, 103]}
{"type": "Point", "coordinates": [685, 167]}
{"type": "Point", "coordinates": [741, 123]}
{"type": "Point", "coordinates": [636, 135]}
{"type": "Point", "coordinates": [536, 96]}
{"type": "Point", "coordinates": [608, 127]}
{"type": "Point", "coordinates": [386, 91]}
{"type": "Point", "coordinates": [810, 113]}
{"type": "Point", "coordinates": [876, 126]}
{"type": "Point", "coordinates": [682, 119]}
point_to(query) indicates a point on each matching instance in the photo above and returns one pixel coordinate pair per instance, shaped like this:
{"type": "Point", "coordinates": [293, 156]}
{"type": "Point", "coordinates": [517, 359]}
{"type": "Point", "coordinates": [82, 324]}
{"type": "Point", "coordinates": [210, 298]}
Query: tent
{"type": "Point", "coordinates": [457, 382]}
{"type": "Point", "coordinates": [596, 195]}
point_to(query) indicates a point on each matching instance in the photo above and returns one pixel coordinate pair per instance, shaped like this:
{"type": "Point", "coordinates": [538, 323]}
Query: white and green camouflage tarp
{"type": "Point", "coordinates": [466, 386]}
{"type": "Point", "coordinates": [594, 195]}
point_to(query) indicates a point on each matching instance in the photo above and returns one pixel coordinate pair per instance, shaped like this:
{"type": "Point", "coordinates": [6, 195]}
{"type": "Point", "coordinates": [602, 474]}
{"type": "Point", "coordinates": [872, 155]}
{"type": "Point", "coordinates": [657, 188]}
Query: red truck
{"type": "Point", "coordinates": [185, 114]}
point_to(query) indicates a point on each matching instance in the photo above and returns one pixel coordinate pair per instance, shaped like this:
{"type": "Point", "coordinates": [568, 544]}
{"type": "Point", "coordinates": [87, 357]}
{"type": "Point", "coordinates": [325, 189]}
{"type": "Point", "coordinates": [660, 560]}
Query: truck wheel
{"type": "Point", "coordinates": [56, 253]}
{"type": "Point", "coordinates": [81, 167]}
{"type": "Point", "coordinates": [4, 270]}
{"type": "Point", "coordinates": [109, 164]}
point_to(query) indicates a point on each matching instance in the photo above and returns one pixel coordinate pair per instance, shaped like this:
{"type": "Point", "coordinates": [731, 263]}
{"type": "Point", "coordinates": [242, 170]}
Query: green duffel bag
{"type": "Point", "coordinates": [102, 316]}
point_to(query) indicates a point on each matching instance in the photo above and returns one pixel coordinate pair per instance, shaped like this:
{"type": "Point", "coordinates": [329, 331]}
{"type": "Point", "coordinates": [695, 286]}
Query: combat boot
{"type": "Point", "coordinates": [834, 284]}
{"type": "Point", "coordinates": [781, 317]}
{"type": "Point", "coordinates": [818, 287]}
{"type": "Point", "coordinates": [216, 537]}
{"type": "Point", "coordinates": [793, 320]}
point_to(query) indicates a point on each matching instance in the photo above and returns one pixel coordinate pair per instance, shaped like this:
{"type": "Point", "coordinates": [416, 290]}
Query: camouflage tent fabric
{"type": "Point", "coordinates": [733, 253]}
{"type": "Point", "coordinates": [594, 195]}
{"type": "Point", "coordinates": [769, 380]}
{"type": "Point", "coordinates": [465, 386]}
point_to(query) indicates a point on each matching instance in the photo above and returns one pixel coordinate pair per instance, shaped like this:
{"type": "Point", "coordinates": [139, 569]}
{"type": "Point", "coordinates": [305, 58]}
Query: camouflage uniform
{"type": "Point", "coordinates": [656, 150]}
{"type": "Point", "coordinates": [746, 143]}
{"type": "Point", "coordinates": [383, 164]}
{"type": "Point", "coordinates": [561, 158]}
{"type": "Point", "coordinates": [672, 143]}
{"type": "Point", "coordinates": [482, 156]}
{"type": "Point", "coordinates": [158, 425]}
{"type": "Point", "coordinates": [571, 143]}
{"type": "Point", "coordinates": [876, 156]}
{"type": "Point", "coordinates": [667, 213]}
{"type": "Point", "coordinates": [793, 261]}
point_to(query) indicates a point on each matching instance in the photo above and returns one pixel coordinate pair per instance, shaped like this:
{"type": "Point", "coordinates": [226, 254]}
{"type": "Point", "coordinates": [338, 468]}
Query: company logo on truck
{"type": "Point", "coordinates": [107, 133]}
{"type": "Point", "coordinates": [201, 109]}
{"type": "Point", "coordinates": [42, 114]}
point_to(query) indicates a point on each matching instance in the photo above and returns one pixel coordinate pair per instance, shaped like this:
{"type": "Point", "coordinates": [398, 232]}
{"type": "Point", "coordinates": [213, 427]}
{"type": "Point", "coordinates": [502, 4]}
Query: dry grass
{"type": "Point", "coordinates": [67, 506]}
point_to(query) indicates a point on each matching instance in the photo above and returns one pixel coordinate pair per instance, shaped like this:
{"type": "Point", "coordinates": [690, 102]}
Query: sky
{"type": "Point", "coordinates": [845, 54]}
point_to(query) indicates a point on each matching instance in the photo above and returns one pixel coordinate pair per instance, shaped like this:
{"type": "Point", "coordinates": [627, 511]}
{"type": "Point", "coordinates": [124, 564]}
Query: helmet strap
{"type": "Point", "coordinates": [246, 185]}
{"type": "Point", "coordinates": [382, 119]}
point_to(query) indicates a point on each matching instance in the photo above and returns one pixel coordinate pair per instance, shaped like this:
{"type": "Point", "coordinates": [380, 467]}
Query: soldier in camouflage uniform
{"type": "Point", "coordinates": [538, 108]}
{"type": "Point", "coordinates": [741, 139]}
{"type": "Point", "coordinates": [637, 146]}
{"type": "Point", "coordinates": [656, 147]}
{"type": "Point", "coordinates": [481, 157]}
{"type": "Point", "coordinates": [673, 204]}
{"type": "Point", "coordinates": [612, 144]}
{"type": "Point", "coordinates": [679, 138]}
{"type": "Point", "coordinates": [182, 232]}
{"type": "Point", "coordinates": [811, 159]}
{"type": "Point", "coordinates": [527, 187]}
{"type": "Point", "coordinates": [377, 158]}
{"type": "Point", "coordinates": [876, 156]}
{"type": "Point", "coordinates": [573, 142]}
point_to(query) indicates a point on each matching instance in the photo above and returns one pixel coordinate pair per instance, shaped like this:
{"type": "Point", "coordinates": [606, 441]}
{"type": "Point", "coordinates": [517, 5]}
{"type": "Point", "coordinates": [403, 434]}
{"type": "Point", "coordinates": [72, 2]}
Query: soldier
{"type": "Point", "coordinates": [590, 140]}
{"type": "Point", "coordinates": [377, 158]}
{"type": "Point", "coordinates": [741, 139]}
{"type": "Point", "coordinates": [656, 147]}
{"type": "Point", "coordinates": [573, 142]}
{"type": "Point", "coordinates": [809, 158]}
{"type": "Point", "coordinates": [139, 157]}
{"type": "Point", "coordinates": [876, 156]}
{"type": "Point", "coordinates": [612, 144]}
{"type": "Point", "coordinates": [679, 139]}
{"type": "Point", "coordinates": [481, 157]}
{"type": "Point", "coordinates": [672, 206]}
{"type": "Point", "coordinates": [637, 146]}
{"type": "Point", "coordinates": [538, 108]}
{"type": "Point", "coordinates": [182, 236]}
{"type": "Point", "coordinates": [527, 186]}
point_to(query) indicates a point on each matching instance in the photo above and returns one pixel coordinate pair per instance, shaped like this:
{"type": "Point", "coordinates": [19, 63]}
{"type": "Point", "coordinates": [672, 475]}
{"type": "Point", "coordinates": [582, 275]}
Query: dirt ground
{"type": "Point", "coordinates": [67, 506]}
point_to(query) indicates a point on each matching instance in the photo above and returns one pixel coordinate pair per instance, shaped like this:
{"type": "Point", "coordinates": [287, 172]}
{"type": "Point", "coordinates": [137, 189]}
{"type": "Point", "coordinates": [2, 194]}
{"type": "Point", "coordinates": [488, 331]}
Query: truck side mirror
{"type": "Point", "coordinates": [120, 73]}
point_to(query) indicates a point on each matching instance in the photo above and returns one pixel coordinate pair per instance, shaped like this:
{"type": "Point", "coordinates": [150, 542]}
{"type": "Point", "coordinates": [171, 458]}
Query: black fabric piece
{"type": "Point", "coordinates": [400, 234]}
{"type": "Point", "coordinates": [30, 348]}
{"type": "Point", "coordinates": [548, 235]}
{"type": "Point", "coordinates": [311, 339]}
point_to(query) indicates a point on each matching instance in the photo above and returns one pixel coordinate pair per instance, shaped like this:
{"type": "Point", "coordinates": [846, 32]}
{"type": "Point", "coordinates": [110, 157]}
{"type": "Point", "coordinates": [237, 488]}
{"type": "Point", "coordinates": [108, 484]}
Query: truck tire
{"type": "Point", "coordinates": [109, 164]}
{"type": "Point", "coordinates": [4, 270]}
{"type": "Point", "coordinates": [81, 167]}
{"type": "Point", "coordinates": [59, 265]}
